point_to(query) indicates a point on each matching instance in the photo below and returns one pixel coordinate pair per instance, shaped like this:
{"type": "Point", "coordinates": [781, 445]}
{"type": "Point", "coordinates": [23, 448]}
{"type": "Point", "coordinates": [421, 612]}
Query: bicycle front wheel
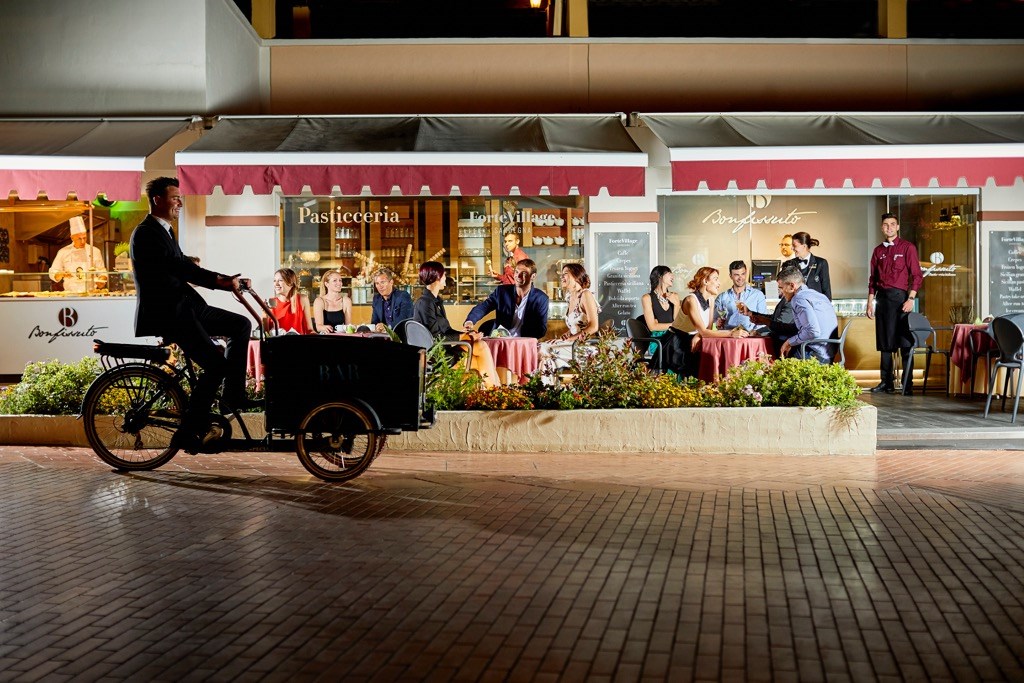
{"type": "Point", "coordinates": [130, 414]}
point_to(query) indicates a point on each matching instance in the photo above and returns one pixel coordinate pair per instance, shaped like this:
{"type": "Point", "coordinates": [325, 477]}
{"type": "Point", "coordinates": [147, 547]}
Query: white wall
{"type": "Point", "coordinates": [232, 61]}
{"type": "Point", "coordinates": [126, 57]}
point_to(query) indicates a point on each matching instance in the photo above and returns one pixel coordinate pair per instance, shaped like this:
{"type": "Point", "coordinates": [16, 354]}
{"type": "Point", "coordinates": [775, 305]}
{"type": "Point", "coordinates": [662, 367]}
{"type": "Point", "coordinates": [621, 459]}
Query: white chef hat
{"type": "Point", "coordinates": [77, 226]}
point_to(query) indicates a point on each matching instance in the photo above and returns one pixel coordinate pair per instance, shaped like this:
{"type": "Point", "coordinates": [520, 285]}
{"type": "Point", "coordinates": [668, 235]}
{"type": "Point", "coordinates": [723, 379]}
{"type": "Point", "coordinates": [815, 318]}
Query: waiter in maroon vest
{"type": "Point", "coordinates": [894, 280]}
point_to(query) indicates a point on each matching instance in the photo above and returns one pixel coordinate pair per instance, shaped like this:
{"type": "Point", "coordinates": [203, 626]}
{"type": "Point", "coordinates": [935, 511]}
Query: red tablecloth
{"type": "Point", "coordinates": [960, 355]}
{"type": "Point", "coordinates": [718, 354]}
{"type": "Point", "coordinates": [517, 354]}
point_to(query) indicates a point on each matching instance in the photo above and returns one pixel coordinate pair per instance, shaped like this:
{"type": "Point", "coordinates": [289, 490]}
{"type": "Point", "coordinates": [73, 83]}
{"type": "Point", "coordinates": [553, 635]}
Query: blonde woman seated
{"type": "Point", "coordinates": [693, 322]}
{"type": "Point", "coordinates": [333, 307]}
{"type": "Point", "coordinates": [291, 308]}
{"type": "Point", "coordinates": [580, 317]}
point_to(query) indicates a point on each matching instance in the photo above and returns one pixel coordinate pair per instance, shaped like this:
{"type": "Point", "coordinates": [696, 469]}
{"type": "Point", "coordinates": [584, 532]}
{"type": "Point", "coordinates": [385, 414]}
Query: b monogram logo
{"type": "Point", "coordinates": [68, 317]}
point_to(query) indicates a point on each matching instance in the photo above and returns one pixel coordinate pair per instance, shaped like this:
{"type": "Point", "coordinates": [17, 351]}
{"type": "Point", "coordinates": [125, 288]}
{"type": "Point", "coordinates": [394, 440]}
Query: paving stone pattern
{"type": "Point", "coordinates": [902, 566]}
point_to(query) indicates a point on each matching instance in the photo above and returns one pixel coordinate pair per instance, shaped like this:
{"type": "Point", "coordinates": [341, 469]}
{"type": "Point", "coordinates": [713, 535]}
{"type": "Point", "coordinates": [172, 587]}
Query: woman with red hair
{"type": "Point", "coordinates": [693, 321]}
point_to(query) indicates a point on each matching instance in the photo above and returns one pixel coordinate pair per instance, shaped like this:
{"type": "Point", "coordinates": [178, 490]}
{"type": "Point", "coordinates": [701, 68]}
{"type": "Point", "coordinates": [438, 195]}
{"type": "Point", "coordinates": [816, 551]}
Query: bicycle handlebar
{"type": "Point", "coordinates": [245, 286]}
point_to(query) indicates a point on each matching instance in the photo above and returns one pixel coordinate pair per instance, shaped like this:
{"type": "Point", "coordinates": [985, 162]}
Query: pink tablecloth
{"type": "Point", "coordinates": [963, 380]}
{"type": "Point", "coordinates": [718, 354]}
{"type": "Point", "coordinates": [517, 354]}
{"type": "Point", "coordinates": [254, 363]}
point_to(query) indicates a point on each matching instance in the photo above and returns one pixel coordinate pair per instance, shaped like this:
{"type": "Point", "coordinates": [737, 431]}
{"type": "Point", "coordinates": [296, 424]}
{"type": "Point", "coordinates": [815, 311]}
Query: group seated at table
{"type": "Point", "coordinates": [693, 322]}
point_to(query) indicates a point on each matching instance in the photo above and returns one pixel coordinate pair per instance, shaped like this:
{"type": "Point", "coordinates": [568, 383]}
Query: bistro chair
{"type": "Point", "coordinates": [415, 333]}
{"type": "Point", "coordinates": [637, 330]}
{"type": "Point", "coordinates": [1010, 340]}
{"type": "Point", "coordinates": [838, 341]}
{"type": "Point", "coordinates": [926, 339]}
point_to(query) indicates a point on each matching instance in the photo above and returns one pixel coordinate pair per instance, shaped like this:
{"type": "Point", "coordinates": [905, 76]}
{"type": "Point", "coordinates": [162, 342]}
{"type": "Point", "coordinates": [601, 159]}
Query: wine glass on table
{"type": "Point", "coordinates": [722, 315]}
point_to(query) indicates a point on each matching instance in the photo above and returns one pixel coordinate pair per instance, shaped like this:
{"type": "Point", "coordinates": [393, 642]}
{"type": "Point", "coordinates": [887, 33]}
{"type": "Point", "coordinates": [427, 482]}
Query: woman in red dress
{"type": "Point", "coordinates": [291, 308]}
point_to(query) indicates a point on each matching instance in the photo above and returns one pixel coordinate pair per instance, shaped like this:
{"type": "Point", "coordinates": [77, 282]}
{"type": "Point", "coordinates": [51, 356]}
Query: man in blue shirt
{"type": "Point", "coordinates": [813, 314]}
{"type": "Point", "coordinates": [740, 291]}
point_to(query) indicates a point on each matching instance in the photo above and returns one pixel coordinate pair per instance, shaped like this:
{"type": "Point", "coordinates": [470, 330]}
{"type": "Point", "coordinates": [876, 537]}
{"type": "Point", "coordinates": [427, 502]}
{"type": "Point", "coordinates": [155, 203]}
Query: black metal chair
{"type": "Point", "coordinates": [1009, 338]}
{"type": "Point", "coordinates": [415, 333]}
{"type": "Point", "coordinates": [836, 340]}
{"type": "Point", "coordinates": [926, 341]}
{"type": "Point", "coordinates": [638, 331]}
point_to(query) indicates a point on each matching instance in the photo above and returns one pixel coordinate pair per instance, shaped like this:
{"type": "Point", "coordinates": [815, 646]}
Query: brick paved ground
{"type": "Point", "coordinates": [908, 565]}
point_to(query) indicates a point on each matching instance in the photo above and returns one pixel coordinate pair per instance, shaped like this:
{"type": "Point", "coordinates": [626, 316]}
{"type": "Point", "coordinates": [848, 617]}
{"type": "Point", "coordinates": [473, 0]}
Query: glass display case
{"type": "Point", "coordinates": [91, 284]}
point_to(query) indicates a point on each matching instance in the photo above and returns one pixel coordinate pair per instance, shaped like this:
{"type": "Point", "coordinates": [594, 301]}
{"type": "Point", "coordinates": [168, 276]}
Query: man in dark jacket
{"type": "Point", "coordinates": [781, 322]}
{"type": "Point", "coordinates": [390, 306]}
{"type": "Point", "coordinates": [521, 308]}
{"type": "Point", "coordinates": [169, 307]}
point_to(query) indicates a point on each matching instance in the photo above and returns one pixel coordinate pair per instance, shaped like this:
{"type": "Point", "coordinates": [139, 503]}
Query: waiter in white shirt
{"type": "Point", "coordinates": [75, 263]}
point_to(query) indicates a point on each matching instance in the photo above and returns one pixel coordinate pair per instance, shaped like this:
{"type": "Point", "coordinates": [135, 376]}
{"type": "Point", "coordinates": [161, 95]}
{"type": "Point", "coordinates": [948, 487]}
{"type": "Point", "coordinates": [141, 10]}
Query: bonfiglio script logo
{"type": "Point", "coordinates": [755, 202]}
{"type": "Point", "coordinates": [68, 318]}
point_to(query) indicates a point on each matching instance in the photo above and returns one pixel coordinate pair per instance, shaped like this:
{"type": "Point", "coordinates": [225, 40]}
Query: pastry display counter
{"type": "Point", "coordinates": [42, 323]}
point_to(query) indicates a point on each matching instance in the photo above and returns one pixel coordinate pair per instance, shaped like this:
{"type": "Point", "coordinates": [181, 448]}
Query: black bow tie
{"type": "Point", "coordinates": [803, 264]}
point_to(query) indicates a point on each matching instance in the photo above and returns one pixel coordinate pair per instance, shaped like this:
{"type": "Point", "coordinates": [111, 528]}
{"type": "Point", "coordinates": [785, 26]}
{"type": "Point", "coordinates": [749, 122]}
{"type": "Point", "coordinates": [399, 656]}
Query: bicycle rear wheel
{"type": "Point", "coordinates": [130, 414]}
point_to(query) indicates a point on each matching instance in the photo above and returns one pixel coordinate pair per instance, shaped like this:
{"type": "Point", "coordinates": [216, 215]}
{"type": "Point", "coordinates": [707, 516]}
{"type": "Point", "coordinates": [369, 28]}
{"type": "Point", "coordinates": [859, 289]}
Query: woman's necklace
{"type": "Point", "coordinates": [663, 300]}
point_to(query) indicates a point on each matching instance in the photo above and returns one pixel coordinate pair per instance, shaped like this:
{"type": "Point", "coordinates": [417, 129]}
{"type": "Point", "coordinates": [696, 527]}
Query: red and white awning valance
{"type": "Point", "coordinates": [417, 155]}
{"type": "Point", "coordinates": [862, 151]}
{"type": "Point", "coordinates": [84, 158]}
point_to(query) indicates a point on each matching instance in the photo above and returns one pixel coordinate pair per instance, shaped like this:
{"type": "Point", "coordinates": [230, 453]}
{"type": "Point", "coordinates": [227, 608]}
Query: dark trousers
{"type": "Point", "coordinates": [892, 333]}
{"type": "Point", "coordinates": [192, 334]}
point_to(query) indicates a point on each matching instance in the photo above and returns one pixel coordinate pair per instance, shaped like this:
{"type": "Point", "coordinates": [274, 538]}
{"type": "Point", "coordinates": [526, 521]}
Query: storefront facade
{"type": "Point", "coordinates": [56, 173]}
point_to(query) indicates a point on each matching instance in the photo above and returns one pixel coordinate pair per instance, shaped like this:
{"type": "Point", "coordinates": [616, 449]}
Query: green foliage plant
{"type": "Point", "coordinates": [605, 375]}
{"type": "Point", "coordinates": [50, 388]}
{"type": "Point", "coordinates": [447, 385]}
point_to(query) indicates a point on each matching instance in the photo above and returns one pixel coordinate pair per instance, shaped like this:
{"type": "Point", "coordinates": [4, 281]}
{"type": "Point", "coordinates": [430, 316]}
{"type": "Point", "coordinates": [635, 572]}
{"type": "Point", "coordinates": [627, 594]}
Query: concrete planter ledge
{"type": "Point", "coordinates": [704, 431]}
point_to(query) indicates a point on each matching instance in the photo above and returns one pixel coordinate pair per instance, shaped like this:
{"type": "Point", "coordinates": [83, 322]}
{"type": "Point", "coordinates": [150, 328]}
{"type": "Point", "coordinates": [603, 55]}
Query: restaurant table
{"type": "Point", "coordinates": [963, 375]}
{"type": "Point", "coordinates": [718, 354]}
{"type": "Point", "coordinates": [516, 355]}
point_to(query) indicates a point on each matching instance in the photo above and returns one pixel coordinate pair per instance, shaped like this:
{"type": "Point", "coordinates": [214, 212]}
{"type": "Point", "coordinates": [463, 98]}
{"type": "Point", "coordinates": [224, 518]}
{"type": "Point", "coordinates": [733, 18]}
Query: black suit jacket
{"type": "Point", "coordinates": [503, 301]}
{"type": "Point", "coordinates": [816, 274]}
{"type": "Point", "coordinates": [162, 281]}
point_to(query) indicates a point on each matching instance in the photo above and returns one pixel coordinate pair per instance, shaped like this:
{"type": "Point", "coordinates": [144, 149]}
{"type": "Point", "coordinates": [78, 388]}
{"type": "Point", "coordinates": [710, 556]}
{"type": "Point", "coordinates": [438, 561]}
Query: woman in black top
{"type": "Point", "coordinates": [428, 309]}
{"type": "Point", "coordinates": [813, 268]}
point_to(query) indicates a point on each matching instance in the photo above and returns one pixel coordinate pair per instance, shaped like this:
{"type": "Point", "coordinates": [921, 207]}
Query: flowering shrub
{"type": "Point", "coordinates": [502, 397]}
{"type": "Point", "coordinates": [549, 394]}
{"type": "Point", "coordinates": [606, 376]}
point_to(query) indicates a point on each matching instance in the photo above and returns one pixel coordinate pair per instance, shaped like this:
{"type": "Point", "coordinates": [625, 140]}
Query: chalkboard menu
{"type": "Point", "coordinates": [623, 274]}
{"type": "Point", "coordinates": [1006, 272]}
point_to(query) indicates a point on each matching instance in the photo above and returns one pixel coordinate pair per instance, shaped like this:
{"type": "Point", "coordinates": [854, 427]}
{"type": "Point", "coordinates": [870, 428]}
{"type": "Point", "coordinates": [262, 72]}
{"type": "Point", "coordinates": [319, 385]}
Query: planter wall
{"type": "Point", "coordinates": [704, 431]}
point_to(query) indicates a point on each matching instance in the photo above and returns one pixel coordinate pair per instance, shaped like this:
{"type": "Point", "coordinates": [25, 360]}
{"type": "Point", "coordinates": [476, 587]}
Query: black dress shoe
{"type": "Point", "coordinates": [908, 392]}
{"type": "Point", "coordinates": [187, 440]}
{"type": "Point", "coordinates": [883, 388]}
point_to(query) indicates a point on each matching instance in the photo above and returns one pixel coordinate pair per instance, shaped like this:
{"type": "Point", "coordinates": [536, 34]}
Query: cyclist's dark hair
{"type": "Point", "coordinates": [158, 186]}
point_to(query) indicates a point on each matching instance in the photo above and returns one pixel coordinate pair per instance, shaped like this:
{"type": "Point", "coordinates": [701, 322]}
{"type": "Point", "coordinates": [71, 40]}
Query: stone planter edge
{"type": "Point", "coordinates": [702, 431]}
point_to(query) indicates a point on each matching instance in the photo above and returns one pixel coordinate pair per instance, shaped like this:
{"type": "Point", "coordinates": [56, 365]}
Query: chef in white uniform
{"type": "Point", "coordinates": [74, 262]}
